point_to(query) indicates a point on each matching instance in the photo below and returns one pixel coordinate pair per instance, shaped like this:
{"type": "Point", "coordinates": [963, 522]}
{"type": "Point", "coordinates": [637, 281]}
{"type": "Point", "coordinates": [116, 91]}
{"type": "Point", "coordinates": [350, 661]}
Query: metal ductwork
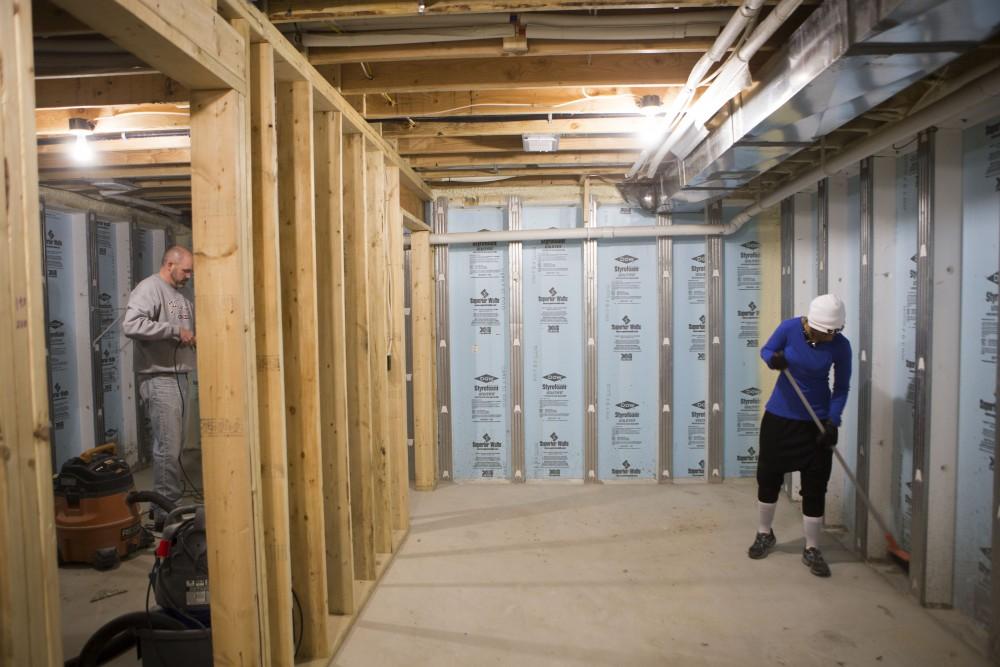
{"type": "Point", "coordinates": [846, 58]}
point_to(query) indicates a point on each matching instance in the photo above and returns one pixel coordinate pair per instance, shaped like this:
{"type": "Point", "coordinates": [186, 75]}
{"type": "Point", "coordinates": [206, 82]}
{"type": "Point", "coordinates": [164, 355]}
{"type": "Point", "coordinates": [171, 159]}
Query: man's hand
{"type": "Point", "coordinates": [827, 439]}
{"type": "Point", "coordinates": [778, 361]}
{"type": "Point", "coordinates": [187, 338]}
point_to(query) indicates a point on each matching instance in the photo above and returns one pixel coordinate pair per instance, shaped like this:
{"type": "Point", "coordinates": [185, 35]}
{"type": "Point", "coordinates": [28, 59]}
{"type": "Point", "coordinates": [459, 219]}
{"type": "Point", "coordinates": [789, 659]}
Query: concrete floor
{"type": "Point", "coordinates": [560, 574]}
{"type": "Point", "coordinates": [632, 575]}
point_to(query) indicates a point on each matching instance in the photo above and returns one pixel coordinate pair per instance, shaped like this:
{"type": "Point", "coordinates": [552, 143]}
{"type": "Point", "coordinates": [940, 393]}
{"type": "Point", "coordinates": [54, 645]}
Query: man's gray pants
{"type": "Point", "coordinates": [163, 396]}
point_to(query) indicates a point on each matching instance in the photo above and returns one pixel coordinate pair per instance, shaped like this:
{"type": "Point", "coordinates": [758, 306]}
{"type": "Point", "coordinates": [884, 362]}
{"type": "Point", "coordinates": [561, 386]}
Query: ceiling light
{"type": "Point", "coordinates": [540, 143]}
{"type": "Point", "coordinates": [649, 105]}
{"type": "Point", "coordinates": [81, 128]}
{"type": "Point", "coordinates": [650, 130]}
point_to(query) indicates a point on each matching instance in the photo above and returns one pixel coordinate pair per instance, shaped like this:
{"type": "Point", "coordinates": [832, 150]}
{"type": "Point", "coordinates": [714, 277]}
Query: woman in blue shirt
{"type": "Point", "coordinates": [789, 440]}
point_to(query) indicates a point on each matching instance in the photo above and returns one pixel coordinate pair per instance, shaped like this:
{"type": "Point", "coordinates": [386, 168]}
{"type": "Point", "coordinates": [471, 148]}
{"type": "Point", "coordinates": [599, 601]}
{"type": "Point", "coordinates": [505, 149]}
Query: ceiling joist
{"type": "Point", "coordinates": [657, 70]}
{"type": "Point", "coordinates": [444, 146]}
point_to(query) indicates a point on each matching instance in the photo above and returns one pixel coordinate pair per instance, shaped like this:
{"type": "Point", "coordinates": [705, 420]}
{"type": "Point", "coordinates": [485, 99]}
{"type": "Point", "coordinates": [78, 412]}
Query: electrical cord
{"type": "Point", "coordinates": [298, 606]}
{"type": "Point", "coordinates": [190, 488]}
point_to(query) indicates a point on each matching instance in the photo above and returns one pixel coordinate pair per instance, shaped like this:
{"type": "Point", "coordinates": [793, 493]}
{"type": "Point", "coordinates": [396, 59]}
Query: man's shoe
{"type": "Point", "coordinates": [813, 558]}
{"type": "Point", "coordinates": [762, 544]}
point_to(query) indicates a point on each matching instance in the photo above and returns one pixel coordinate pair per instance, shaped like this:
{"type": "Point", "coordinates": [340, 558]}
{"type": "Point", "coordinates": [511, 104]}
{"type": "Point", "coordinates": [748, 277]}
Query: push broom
{"type": "Point", "coordinates": [891, 545]}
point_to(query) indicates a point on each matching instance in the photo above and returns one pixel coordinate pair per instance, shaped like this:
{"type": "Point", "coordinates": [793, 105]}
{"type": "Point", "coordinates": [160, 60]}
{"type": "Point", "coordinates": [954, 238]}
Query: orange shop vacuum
{"type": "Point", "coordinates": [95, 524]}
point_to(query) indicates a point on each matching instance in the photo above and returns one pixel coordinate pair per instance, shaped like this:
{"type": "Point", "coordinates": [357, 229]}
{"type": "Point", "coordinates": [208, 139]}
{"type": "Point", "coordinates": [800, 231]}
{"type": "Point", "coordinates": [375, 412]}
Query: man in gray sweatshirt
{"type": "Point", "coordinates": [160, 319]}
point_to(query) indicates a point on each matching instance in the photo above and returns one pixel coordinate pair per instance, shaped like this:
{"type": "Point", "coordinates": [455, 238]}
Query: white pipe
{"type": "Point", "coordinates": [80, 202]}
{"type": "Point", "coordinates": [390, 38]}
{"type": "Point", "coordinates": [734, 27]}
{"type": "Point", "coordinates": [621, 33]}
{"type": "Point", "coordinates": [727, 84]}
{"type": "Point", "coordinates": [976, 92]}
{"type": "Point", "coordinates": [717, 17]}
{"type": "Point", "coordinates": [582, 233]}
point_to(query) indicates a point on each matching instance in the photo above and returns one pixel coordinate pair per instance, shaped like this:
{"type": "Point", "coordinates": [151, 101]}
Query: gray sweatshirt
{"type": "Point", "coordinates": [154, 317]}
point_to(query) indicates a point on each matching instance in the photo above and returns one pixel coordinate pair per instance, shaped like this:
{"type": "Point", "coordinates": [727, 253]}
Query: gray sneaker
{"type": "Point", "coordinates": [813, 558]}
{"type": "Point", "coordinates": [762, 544]}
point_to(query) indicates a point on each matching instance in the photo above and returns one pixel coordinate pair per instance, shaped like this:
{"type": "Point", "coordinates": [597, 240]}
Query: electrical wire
{"type": "Point", "coordinates": [298, 606]}
{"type": "Point", "coordinates": [190, 489]}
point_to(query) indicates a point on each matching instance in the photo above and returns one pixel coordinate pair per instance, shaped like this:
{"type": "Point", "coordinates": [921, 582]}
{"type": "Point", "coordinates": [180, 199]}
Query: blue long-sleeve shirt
{"type": "Point", "coordinates": [810, 366]}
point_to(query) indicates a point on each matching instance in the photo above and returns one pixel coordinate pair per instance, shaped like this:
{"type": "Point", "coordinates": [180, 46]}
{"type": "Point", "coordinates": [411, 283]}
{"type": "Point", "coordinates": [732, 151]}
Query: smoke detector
{"type": "Point", "coordinates": [540, 143]}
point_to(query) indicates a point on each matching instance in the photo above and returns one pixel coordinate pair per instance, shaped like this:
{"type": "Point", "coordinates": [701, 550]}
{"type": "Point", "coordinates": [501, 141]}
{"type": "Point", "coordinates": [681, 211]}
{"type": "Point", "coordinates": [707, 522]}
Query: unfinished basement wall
{"type": "Point", "coordinates": [522, 348]}
{"type": "Point", "coordinates": [91, 264]}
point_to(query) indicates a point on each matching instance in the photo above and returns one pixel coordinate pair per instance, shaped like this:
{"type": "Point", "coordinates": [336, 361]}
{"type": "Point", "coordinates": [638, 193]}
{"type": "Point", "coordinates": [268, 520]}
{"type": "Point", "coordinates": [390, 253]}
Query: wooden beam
{"type": "Point", "coordinates": [451, 145]}
{"type": "Point", "coordinates": [222, 233]}
{"type": "Point", "coordinates": [399, 456]}
{"type": "Point", "coordinates": [187, 40]}
{"type": "Point", "coordinates": [94, 173]}
{"type": "Point", "coordinates": [125, 118]}
{"type": "Point", "coordinates": [358, 364]}
{"type": "Point", "coordinates": [562, 126]}
{"type": "Point", "coordinates": [297, 224]}
{"type": "Point", "coordinates": [425, 413]}
{"type": "Point", "coordinates": [326, 10]}
{"type": "Point", "coordinates": [548, 172]}
{"type": "Point", "coordinates": [30, 632]}
{"type": "Point", "coordinates": [378, 344]}
{"type": "Point", "coordinates": [413, 223]}
{"type": "Point", "coordinates": [532, 101]}
{"type": "Point", "coordinates": [270, 354]}
{"type": "Point", "coordinates": [168, 156]}
{"type": "Point", "coordinates": [494, 48]}
{"type": "Point", "coordinates": [525, 159]}
{"type": "Point", "coordinates": [102, 91]}
{"type": "Point", "coordinates": [334, 390]}
{"type": "Point", "coordinates": [170, 142]}
{"type": "Point", "coordinates": [295, 65]}
{"type": "Point", "coordinates": [657, 70]}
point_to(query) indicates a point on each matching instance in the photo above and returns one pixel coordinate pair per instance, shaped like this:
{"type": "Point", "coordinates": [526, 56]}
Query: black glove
{"type": "Point", "coordinates": [827, 439]}
{"type": "Point", "coordinates": [778, 361]}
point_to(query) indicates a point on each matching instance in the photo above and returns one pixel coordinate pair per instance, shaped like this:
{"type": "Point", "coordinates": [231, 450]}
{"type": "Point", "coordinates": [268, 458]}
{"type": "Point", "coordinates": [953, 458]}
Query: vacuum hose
{"type": "Point", "coordinates": [149, 497]}
{"type": "Point", "coordinates": [118, 635]}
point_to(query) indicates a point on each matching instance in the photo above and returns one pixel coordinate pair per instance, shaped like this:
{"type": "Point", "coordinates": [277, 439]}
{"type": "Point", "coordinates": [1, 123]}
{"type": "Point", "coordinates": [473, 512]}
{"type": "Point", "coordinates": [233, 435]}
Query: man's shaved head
{"type": "Point", "coordinates": [175, 254]}
{"type": "Point", "coordinates": [178, 266]}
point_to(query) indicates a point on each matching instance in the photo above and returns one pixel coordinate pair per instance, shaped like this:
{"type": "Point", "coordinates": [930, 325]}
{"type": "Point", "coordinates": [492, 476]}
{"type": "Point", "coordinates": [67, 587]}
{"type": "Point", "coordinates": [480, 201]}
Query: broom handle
{"type": "Point", "coordinates": [847, 469]}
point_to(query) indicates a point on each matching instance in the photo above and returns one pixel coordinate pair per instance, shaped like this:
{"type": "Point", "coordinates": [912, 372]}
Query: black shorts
{"type": "Point", "coordinates": [788, 445]}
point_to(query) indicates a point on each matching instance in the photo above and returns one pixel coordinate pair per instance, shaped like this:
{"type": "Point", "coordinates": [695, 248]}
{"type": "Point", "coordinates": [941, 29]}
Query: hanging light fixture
{"type": "Point", "coordinates": [649, 131]}
{"type": "Point", "coordinates": [81, 128]}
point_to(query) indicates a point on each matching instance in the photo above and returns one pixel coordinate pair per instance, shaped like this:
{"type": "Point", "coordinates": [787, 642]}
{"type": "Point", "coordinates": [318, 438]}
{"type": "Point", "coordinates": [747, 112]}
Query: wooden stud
{"type": "Point", "coordinates": [222, 229]}
{"type": "Point", "coordinates": [378, 344]}
{"type": "Point", "coordinates": [425, 414]}
{"type": "Point", "coordinates": [399, 456]}
{"type": "Point", "coordinates": [270, 353]}
{"type": "Point", "coordinates": [297, 224]}
{"type": "Point", "coordinates": [413, 223]}
{"type": "Point", "coordinates": [30, 632]}
{"type": "Point", "coordinates": [334, 389]}
{"type": "Point", "coordinates": [359, 408]}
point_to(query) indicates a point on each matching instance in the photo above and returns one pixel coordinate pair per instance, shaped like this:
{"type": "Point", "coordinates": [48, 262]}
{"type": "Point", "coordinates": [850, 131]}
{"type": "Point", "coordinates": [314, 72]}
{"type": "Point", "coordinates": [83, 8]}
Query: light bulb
{"type": "Point", "coordinates": [82, 150]}
{"type": "Point", "coordinates": [650, 130]}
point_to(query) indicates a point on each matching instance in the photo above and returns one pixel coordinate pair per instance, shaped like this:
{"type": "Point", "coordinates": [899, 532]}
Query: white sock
{"type": "Point", "coordinates": [766, 511]}
{"type": "Point", "coordinates": [811, 526]}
